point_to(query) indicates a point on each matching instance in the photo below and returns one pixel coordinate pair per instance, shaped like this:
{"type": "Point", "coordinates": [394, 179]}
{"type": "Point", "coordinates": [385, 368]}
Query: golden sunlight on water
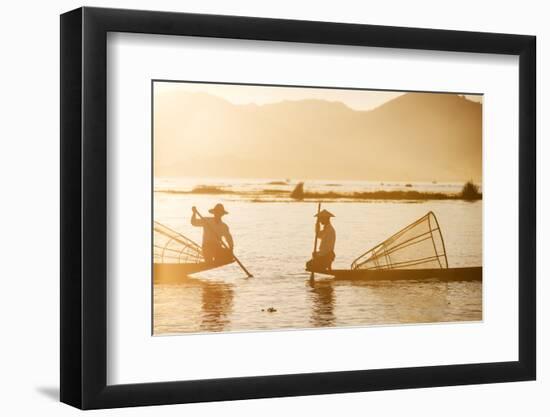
{"type": "Point", "coordinates": [274, 239]}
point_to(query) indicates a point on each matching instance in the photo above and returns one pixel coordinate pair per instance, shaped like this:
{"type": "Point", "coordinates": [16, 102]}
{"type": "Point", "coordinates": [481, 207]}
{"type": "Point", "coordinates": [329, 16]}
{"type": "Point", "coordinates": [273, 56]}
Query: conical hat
{"type": "Point", "coordinates": [218, 209]}
{"type": "Point", "coordinates": [324, 213]}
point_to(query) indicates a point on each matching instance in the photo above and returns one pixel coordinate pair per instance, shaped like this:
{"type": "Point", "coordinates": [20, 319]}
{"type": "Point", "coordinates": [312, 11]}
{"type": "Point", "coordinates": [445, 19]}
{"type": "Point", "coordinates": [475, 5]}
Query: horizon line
{"type": "Point", "coordinates": [291, 86]}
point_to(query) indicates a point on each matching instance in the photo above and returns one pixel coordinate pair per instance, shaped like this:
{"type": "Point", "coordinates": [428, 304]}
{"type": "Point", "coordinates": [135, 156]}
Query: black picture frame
{"type": "Point", "coordinates": [84, 207]}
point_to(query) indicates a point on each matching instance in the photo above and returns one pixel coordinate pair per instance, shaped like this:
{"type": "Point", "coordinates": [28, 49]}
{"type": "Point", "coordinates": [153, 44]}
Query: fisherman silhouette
{"type": "Point", "coordinates": [214, 230]}
{"type": "Point", "coordinates": [322, 259]}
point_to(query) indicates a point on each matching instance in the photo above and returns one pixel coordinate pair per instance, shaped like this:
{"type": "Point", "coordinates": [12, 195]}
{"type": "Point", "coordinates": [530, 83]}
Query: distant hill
{"type": "Point", "coordinates": [415, 137]}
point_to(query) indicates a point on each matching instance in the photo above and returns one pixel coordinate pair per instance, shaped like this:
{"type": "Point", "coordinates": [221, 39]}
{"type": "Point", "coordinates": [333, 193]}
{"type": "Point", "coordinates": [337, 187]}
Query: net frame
{"type": "Point", "coordinates": [177, 248]}
{"type": "Point", "coordinates": [385, 249]}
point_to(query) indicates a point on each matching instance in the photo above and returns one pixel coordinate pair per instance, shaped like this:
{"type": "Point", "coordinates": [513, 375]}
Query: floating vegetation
{"type": "Point", "coordinates": [209, 189]}
{"type": "Point", "coordinates": [470, 191]}
{"type": "Point", "coordinates": [380, 195]}
{"type": "Point", "coordinates": [276, 192]}
{"type": "Point", "coordinates": [268, 200]}
{"type": "Point", "coordinates": [298, 192]}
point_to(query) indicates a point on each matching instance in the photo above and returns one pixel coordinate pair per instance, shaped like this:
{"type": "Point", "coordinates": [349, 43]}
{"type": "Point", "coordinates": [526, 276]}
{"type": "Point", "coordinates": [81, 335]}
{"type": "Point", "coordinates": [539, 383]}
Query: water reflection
{"type": "Point", "coordinates": [401, 301]}
{"type": "Point", "coordinates": [192, 305]}
{"type": "Point", "coordinates": [322, 295]}
{"type": "Point", "coordinates": [217, 303]}
{"type": "Point", "coordinates": [212, 305]}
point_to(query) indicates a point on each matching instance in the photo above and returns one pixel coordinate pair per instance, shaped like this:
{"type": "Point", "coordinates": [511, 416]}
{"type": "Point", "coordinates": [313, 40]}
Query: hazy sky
{"type": "Point", "coordinates": [419, 137]}
{"type": "Point", "coordinates": [239, 94]}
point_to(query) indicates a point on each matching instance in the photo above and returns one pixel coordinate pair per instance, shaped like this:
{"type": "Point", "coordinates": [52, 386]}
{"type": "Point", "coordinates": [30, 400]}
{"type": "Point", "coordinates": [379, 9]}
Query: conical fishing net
{"type": "Point", "coordinates": [418, 246]}
{"type": "Point", "coordinates": [172, 247]}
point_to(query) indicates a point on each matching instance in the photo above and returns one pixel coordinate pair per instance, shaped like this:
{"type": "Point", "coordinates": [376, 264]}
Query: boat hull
{"type": "Point", "coordinates": [447, 274]}
{"type": "Point", "coordinates": [165, 272]}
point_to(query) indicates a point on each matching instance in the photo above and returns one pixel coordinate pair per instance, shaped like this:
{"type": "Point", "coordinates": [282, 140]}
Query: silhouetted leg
{"type": "Point", "coordinates": [208, 254]}
{"type": "Point", "coordinates": [322, 263]}
{"type": "Point", "coordinates": [317, 263]}
{"type": "Point", "coordinates": [223, 255]}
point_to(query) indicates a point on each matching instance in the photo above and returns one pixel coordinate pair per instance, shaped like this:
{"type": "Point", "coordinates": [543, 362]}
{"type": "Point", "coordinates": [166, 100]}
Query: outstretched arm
{"type": "Point", "coordinates": [194, 220]}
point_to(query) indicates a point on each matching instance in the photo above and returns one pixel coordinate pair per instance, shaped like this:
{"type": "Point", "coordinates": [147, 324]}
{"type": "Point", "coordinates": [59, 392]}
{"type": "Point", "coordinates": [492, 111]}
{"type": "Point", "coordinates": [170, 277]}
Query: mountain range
{"type": "Point", "coordinates": [414, 137]}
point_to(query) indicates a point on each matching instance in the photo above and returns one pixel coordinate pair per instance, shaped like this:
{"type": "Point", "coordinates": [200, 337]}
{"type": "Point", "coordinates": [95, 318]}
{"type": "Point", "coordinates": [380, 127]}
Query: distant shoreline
{"type": "Point", "coordinates": [286, 195]}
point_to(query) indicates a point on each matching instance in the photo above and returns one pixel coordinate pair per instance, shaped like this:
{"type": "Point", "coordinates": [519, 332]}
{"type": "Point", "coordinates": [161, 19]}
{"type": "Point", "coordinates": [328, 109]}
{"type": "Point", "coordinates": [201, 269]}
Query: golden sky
{"type": "Point", "coordinates": [221, 130]}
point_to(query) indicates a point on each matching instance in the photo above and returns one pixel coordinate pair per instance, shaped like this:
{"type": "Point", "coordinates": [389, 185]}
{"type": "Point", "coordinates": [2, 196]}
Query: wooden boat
{"type": "Point", "coordinates": [174, 272]}
{"type": "Point", "coordinates": [416, 252]}
{"type": "Point", "coordinates": [440, 274]}
{"type": "Point", "coordinates": [176, 256]}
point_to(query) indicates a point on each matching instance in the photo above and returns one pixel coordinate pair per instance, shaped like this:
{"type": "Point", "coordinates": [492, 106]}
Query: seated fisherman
{"type": "Point", "coordinates": [214, 230]}
{"type": "Point", "coordinates": [323, 258]}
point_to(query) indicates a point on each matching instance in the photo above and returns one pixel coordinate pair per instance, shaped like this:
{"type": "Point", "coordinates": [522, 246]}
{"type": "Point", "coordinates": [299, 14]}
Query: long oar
{"type": "Point", "coordinates": [312, 275]}
{"type": "Point", "coordinates": [225, 246]}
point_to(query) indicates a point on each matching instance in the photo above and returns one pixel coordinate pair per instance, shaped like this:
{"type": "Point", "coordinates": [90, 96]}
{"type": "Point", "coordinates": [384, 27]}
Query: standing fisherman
{"type": "Point", "coordinates": [322, 259]}
{"type": "Point", "coordinates": [214, 230]}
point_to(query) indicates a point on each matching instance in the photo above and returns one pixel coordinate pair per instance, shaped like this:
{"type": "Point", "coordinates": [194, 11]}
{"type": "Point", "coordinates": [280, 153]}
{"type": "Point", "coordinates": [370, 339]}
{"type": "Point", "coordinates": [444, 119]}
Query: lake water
{"type": "Point", "coordinates": [274, 239]}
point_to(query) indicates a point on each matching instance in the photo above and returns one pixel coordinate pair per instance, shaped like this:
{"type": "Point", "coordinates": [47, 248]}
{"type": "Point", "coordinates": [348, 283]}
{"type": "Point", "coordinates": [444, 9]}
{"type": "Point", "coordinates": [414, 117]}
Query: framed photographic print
{"type": "Point", "coordinates": [257, 207]}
